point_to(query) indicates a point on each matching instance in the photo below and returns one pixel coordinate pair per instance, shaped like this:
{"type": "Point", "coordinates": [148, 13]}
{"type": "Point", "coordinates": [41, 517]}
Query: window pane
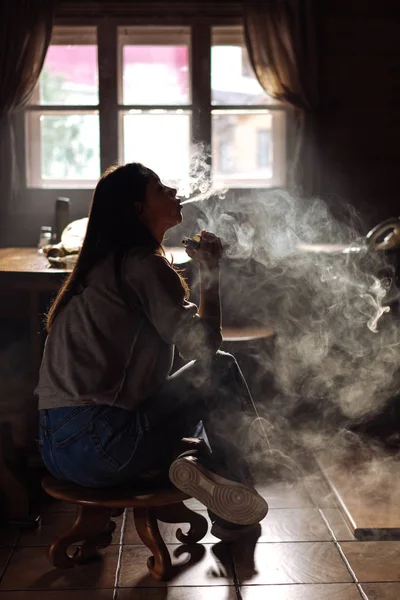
{"type": "Point", "coordinates": [232, 78]}
{"type": "Point", "coordinates": [264, 148]}
{"type": "Point", "coordinates": [248, 148]}
{"type": "Point", "coordinates": [159, 141]}
{"type": "Point", "coordinates": [155, 74]}
{"type": "Point", "coordinates": [69, 147]}
{"type": "Point", "coordinates": [69, 76]}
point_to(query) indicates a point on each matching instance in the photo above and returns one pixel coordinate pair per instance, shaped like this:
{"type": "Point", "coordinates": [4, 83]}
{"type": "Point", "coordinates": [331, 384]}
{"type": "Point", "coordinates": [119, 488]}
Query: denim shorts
{"type": "Point", "coordinates": [92, 445]}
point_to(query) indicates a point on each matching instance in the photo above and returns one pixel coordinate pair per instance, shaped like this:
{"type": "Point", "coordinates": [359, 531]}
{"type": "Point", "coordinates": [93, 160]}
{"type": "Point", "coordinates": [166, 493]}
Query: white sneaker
{"type": "Point", "coordinates": [232, 501]}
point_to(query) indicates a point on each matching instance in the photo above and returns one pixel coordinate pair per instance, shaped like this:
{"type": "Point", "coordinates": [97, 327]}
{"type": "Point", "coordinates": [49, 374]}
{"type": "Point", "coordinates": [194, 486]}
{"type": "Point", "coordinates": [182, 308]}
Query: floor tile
{"type": "Point", "coordinates": [52, 525]}
{"type": "Point", "coordinates": [58, 595]}
{"type": "Point", "coordinates": [329, 591]}
{"type": "Point", "coordinates": [5, 554]}
{"type": "Point", "coordinates": [294, 525]}
{"type": "Point", "coordinates": [167, 530]}
{"type": "Point", "coordinates": [366, 485]}
{"type": "Point", "coordinates": [29, 568]}
{"type": "Point", "coordinates": [194, 504]}
{"type": "Point", "coordinates": [207, 565]}
{"type": "Point", "coordinates": [8, 535]}
{"type": "Point", "coordinates": [285, 495]}
{"type": "Point", "coordinates": [301, 562]}
{"type": "Point", "coordinates": [373, 561]}
{"type": "Point", "coordinates": [319, 491]}
{"type": "Point", "coordinates": [382, 591]}
{"type": "Point", "coordinates": [178, 593]}
{"type": "Point", "coordinates": [338, 524]}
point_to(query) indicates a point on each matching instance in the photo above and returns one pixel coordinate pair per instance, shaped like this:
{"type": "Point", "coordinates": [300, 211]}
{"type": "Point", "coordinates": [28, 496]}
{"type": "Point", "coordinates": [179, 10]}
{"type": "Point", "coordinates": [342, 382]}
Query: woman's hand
{"type": "Point", "coordinates": [209, 252]}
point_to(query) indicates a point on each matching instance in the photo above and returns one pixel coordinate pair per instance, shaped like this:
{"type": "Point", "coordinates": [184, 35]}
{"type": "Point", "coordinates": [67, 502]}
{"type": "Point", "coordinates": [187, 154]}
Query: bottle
{"type": "Point", "coordinates": [62, 217]}
{"type": "Point", "coordinates": [44, 238]}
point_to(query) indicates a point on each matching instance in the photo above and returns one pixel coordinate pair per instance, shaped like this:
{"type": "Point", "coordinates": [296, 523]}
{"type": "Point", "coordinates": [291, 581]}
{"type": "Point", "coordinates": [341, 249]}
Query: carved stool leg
{"type": "Point", "coordinates": [159, 564]}
{"type": "Point", "coordinates": [180, 513]}
{"type": "Point", "coordinates": [90, 525]}
{"type": "Point", "coordinates": [104, 538]}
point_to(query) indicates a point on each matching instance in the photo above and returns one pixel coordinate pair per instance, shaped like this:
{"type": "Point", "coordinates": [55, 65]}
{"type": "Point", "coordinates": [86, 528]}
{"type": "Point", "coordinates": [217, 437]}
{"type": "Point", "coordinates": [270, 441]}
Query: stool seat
{"type": "Point", "coordinates": [93, 527]}
{"type": "Point", "coordinates": [122, 497]}
{"type": "Point", "coordinates": [246, 334]}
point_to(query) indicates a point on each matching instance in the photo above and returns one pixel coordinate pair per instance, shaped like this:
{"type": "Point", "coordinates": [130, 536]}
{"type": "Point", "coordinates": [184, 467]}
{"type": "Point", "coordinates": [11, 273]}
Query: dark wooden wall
{"type": "Point", "coordinates": [359, 120]}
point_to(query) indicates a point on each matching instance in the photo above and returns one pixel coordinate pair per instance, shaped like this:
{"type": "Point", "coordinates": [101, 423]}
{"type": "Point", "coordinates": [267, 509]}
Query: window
{"type": "Point", "coordinates": [155, 99]}
{"type": "Point", "coordinates": [239, 102]}
{"type": "Point", "coordinates": [224, 161]}
{"type": "Point", "coordinates": [62, 119]}
{"type": "Point", "coordinates": [146, 96]}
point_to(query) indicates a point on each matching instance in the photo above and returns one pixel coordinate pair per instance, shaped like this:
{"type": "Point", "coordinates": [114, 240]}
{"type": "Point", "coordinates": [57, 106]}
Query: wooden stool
{"type": "Point", "coordinates": [246, 334]}
{"type": "Point", "coordinates": [94, 527]}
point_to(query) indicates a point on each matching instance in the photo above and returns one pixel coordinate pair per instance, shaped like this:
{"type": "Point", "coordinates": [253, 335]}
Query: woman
{"type": "Point", "coordinates": [109, 411]}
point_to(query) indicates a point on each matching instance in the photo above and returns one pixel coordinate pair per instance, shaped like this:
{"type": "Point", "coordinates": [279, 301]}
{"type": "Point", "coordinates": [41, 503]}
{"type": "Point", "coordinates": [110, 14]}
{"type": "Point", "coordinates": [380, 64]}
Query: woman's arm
{"type": "Point", "coordinates": [210, 302]}
{"type": "Point", "coordinates": [208, 256]}
{"type": "Point", "coordinates": [156, 288]}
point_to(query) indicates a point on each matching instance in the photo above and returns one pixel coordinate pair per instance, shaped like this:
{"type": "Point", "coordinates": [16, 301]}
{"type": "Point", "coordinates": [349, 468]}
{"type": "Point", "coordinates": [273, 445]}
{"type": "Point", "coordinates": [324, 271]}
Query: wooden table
{"type": "Point", "coordinates": [25, 266]}
{"type": "Point", "coordinates": [27, 271]}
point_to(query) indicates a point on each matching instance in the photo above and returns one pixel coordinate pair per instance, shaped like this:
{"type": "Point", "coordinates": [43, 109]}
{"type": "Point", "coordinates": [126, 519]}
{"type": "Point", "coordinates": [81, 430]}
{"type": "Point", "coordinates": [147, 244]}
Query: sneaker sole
{"type": "Point", "coordinates": [228, 499]}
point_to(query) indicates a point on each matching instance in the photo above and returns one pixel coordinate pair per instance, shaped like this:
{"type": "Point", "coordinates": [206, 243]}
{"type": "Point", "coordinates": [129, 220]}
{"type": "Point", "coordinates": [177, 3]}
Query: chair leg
{"type": "Point", "coordinates": [159, 564]}
{"type": "Point", "coordinates": [92, 526]}
{"type": "Point", "coordinates": [104, 538]}
{"type": "Point", "coordinates": [180, 513]}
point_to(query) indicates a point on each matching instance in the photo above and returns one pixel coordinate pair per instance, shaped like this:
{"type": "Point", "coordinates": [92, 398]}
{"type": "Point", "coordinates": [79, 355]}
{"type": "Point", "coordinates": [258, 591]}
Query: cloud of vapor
{"type": "Point", "coordinates": [337, 345]}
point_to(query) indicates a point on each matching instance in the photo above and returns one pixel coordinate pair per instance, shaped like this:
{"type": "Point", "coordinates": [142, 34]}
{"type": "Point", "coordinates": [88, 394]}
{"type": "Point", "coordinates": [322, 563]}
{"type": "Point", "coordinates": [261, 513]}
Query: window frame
{"type": "Point", "coordinates": [108, 19]}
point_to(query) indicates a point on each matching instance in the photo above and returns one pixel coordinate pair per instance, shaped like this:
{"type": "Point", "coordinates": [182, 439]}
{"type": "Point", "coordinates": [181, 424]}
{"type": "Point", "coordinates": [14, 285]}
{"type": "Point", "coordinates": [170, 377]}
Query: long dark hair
{"type": "Point", "coordinates": [114, 227]}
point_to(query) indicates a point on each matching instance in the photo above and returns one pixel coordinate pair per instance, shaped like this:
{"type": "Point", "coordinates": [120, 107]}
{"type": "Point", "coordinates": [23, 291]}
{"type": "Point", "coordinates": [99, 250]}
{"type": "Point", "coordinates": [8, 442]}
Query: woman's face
{"type": "Point", "coordinates": [162, 210]}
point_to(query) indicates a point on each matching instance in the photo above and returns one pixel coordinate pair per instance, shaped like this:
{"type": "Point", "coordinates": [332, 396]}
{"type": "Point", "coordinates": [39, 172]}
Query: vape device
{"type": "Point", "coordinates": [193, 242]}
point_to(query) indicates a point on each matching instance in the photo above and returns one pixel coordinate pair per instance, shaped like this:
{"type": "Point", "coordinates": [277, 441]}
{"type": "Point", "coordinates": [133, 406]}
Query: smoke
{"type": "Point", "coordinates": [199, 185]}
{"type": "Point", "coordinates": [337, 347]}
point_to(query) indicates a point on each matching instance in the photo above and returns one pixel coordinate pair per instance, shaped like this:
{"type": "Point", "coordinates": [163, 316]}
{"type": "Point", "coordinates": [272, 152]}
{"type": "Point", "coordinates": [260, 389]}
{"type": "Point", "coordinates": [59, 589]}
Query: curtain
{"type": "Point", "coordinates": [25, 31]}
{"type": "Point", "coordinates": [281, 41]}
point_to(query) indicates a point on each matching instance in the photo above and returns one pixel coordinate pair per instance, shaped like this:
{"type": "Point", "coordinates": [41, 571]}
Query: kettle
{"type": "Point", "coordinates": [385, 239]}
{"type": "Point", "coordinates": [73, 235]}
{"type": "Point", "coordinates": [385, 236]}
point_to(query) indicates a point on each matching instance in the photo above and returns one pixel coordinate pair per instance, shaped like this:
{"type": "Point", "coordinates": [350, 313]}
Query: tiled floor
{"type": "Point", "coordinates": [366, 484]}
{"type": "Point", "coordinates": [305, 552]}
